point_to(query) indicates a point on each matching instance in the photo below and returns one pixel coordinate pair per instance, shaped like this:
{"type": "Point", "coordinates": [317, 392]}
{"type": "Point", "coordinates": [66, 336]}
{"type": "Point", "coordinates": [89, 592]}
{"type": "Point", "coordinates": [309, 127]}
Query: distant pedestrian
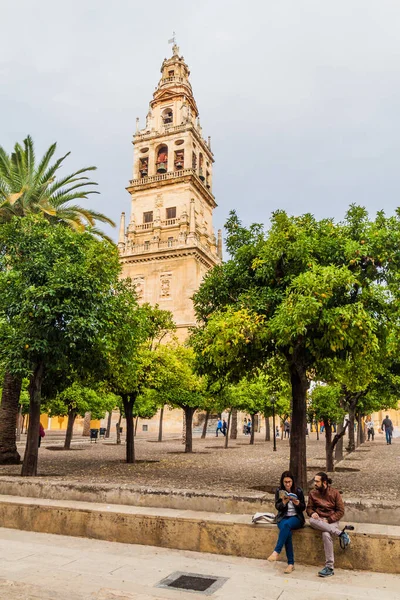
{"type": "Point", "coordinates": [387, 426]}
{"type": "Point", "coordinates": [277, 431]}
{"type": "Point", "coordinates": [249, 427]}
{"type": "Point", "coordinates": [325, 508]}
{"type": "Point", "coordinates": [41, 434]}
{"type": "Point", "coordinates": [224, 427]}
{"type": "Point", "coordinates": [286, 429]}
{"type": "Point", "coordinates": [245, 426]}
{"type": "Point", "coordinates": [369, 424]}
{"type": "Point", "coordinates": [321, 426]}
{"type": "Point", "coordinates": [219, 427]}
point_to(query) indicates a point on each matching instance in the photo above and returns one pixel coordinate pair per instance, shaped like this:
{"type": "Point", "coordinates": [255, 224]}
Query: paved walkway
{"type": "Point", "coordinates": [35, 566]}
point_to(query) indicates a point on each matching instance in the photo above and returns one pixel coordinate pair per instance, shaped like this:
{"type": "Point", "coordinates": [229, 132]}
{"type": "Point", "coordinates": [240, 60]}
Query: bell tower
{"type": "Point", "coordinates": [169, 242]}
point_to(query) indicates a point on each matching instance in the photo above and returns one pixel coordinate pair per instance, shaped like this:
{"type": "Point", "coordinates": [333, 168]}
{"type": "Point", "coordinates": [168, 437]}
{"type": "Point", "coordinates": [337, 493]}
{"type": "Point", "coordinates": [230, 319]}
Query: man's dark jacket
{"type": "Point", "coordinates": [282, 508]}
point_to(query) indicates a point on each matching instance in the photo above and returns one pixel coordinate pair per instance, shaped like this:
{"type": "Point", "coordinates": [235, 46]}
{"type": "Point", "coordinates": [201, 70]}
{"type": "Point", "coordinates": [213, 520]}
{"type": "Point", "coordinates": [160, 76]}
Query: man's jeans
{"type": "Point", "coordinates": [388, 435]}
{"type": "Point", "coordinates": [285, 536]}
{"type": "Point", "coordinates": [328, 531]}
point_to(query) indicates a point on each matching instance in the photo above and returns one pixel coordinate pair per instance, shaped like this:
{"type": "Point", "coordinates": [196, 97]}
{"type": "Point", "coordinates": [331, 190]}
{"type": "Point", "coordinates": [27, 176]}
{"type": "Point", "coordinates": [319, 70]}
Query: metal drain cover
{"type": "Point", "coordinates": [192, 582]}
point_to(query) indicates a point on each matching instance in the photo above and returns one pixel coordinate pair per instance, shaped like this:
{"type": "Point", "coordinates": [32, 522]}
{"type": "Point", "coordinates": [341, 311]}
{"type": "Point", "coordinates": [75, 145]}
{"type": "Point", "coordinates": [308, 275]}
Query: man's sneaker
{"type": "Point", "coordinates": [326, 572]}
{"type": "Point", "coordinates": [344, 539]}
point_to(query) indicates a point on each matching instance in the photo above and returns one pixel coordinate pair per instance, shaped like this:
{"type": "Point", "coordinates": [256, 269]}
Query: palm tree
{"type": "Point", "coordinates": [30, 187]}
{"type": "Point", "coordinates": [27, 187]}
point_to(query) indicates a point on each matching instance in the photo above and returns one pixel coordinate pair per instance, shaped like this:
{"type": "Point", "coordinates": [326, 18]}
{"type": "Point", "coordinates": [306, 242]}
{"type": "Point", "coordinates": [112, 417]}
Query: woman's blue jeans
{"type": "Point", "coordinates": [388, 435]}
{"type": "Point", "coordinates": [286, 527]}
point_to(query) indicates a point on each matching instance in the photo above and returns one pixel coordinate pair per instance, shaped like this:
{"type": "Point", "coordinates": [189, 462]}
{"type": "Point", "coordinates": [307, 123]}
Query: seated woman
{"type": "Point", "coordinates": [290, 516]}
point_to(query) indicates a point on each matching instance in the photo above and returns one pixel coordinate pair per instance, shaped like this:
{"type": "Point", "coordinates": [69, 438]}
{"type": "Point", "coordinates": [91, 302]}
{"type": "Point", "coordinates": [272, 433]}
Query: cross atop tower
{"type": "Point", "coordinates": [175, 48]}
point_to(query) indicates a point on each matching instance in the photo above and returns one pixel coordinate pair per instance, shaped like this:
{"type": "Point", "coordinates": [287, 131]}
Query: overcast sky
{"type": "Point", "coordinates": [301, 97]}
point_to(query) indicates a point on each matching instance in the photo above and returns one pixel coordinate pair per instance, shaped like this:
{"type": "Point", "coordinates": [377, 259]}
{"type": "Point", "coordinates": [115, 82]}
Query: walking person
{"type": "Point", "coordinates": [286, 429]}
{"type": "Point", "coordinates": [290, 504]}
{"type": "Point", "coordinates": [249, 427]}
{"type": "Point", "coordinates": [369, 424]}
{"type": "Point", "coordinates": [387, 426]}
{"type": "Point", "coordinates": [219, 427]}
{"type": "Point", "coordinates": [325, 508]}
{"type": "Point", "coordinates": [41, 434]}
{"type": "Point", "coordinates": [224, 427]}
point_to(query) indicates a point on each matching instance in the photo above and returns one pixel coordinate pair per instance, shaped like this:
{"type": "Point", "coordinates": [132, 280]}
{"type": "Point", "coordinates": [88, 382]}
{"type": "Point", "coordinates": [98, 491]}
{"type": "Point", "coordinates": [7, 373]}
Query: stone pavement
{"type": "Point", "coordinates": [37, 566]}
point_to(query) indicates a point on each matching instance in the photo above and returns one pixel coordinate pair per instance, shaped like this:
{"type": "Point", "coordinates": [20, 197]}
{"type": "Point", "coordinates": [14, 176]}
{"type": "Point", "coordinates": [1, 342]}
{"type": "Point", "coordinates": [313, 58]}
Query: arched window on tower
{"type": "Point", "coordinates": [167, 116]}
{"type": "Point", "coordinates": [201, 164]}
{"type": "Point", "coordinates": [179, 159]}
{"type": "Point", "coordinates": [162, 159]}
{"type": "Point", "coordinates": [144, 166]}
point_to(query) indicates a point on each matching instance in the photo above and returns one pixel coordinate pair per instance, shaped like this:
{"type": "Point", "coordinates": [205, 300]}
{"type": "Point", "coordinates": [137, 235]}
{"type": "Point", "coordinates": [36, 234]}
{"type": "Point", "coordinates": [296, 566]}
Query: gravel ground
{"type": "Point", "coordinates": [239, 469]}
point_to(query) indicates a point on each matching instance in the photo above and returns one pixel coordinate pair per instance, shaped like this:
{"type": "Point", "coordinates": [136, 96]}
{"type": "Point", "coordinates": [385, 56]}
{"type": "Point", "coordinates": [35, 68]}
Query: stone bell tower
{"type": "Point", "coordinates": [169, 244]}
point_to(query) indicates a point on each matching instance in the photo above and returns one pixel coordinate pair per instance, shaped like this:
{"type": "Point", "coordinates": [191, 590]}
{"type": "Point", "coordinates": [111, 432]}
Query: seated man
{"type": "Point", "coordinates": [325, 508]}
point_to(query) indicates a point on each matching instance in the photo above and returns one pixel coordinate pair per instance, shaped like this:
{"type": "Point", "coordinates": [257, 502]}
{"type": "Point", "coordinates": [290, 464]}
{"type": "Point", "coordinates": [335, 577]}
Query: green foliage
{"type": "Point", "coordinates": [325, 404]}
{"type": "Point", "coordinates": [80, 399]}
{"type": "Point", "coordinates": [56, 287]}
{"type": "Point", "coordinates": [31, 187]}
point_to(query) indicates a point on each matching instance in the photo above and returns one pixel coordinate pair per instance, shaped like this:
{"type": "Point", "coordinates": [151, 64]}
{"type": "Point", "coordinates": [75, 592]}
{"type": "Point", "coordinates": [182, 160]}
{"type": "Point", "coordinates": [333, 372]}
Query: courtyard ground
{"type": "Point", "coordinates": [37, 566]}
{"type": "Point", "coordinates": [373, 471]}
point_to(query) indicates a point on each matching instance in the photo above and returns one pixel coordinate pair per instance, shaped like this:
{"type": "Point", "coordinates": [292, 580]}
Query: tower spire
{"type": "Point", "coordinates": [121, 237]}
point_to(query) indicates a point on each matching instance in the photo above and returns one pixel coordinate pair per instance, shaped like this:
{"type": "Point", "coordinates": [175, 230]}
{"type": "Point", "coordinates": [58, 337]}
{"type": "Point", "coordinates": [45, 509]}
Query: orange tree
{"type": "Point", "coordinates": [305, 290]}
{"type": "Point", "coordinates": [56, 288]}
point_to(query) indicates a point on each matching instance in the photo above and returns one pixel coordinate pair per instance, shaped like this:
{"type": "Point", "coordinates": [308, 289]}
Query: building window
{"type": "Point", "coordinates": [148, 216]}
{"type": "Point", "coordinates": [147, 245]}
{"type": "Point", "coordinates": [145, 427]}
{"type": "Point", "coordinates": [171, 73]}
{"type": "Point", "coordinates": [144, 166]}
{"type": "Point", "coordinates": [162, 159]}
{"type": "Point", "coordinates": [167, 116]}
{"type": "Point", "coordinates": [170, 242]}
{"type": "Point", "coordinates": [179, 160]}
{"type": "Point", "coordinates": [170, 213]}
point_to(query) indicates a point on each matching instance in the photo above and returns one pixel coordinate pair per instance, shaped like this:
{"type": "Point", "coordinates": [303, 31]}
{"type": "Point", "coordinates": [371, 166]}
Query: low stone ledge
{"type": "Point", "coordinates": [373, 548]}
{"type": "Point", "coordinates": [357, 510]}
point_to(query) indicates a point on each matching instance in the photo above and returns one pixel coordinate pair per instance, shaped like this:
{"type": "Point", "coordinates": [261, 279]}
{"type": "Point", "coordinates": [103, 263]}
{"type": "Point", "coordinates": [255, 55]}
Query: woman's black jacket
{"type": "Point", "coordinates": [282, 508]}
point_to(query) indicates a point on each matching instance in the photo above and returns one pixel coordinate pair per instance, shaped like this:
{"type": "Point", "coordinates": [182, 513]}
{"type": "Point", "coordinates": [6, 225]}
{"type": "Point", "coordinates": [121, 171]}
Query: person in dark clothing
{"type": "Point", "coordinates": [387, 425]}
{"type": "Point", "coordinates": [41, 434]}
{"type": "Point", "coordinates": [290, 504]}
{"type": "Point", "coordinates": [224, 427]}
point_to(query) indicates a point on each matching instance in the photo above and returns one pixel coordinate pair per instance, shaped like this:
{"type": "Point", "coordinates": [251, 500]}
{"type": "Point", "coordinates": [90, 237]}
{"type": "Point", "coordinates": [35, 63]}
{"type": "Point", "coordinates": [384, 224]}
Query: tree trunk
{"type": "Point", "coordinates": [339, 445]}
{"type": "Point", "coordinates": [128, 402]}
{"type": "Point", "coordinates": [317, 429]}
{"type": "Point", "coordinates": [252, 429]}
{"type": "Point", "coordinates": [204, 432]}
{"type": "Point", "coordinates": [328, 446]}
{"type": "Point", "coordinates": [352, 444]}
{"type": "Point", "coordinates": [29, 466]}
{"type": "Point", "coordinates": [188, 412]}
{"type": "Point", "coordinates": [267, 429]}
{"type": "Point", "coordinates": [20, 422]}
{"type": "Point", "coordinates": [234, 424]}
{"type": "Point", "coordinates": [298, 450]}
{"type": "Point", "coordinates": [160, 425]}
{"type": "Point", "coordinates": [331, 444]}
{"type": "Point", "coordinates": [118, 427]}
{"type": "Point", "coordinates": [228, 428]}
{"type": "Point", "coordinates": [360, 429]}
{"type": "Point", "coordinates": [136, 424]}
{"type": "Point", "coordinates": [70, 429]}
{"type": "Point", "coordinates": [109, 419]}
{"type": "Point", "coordinates": [184, 429]}
{"type": "Point", "coordinates": [86, 424]}
{"type": "Point", "coordinates": [8, 417]}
